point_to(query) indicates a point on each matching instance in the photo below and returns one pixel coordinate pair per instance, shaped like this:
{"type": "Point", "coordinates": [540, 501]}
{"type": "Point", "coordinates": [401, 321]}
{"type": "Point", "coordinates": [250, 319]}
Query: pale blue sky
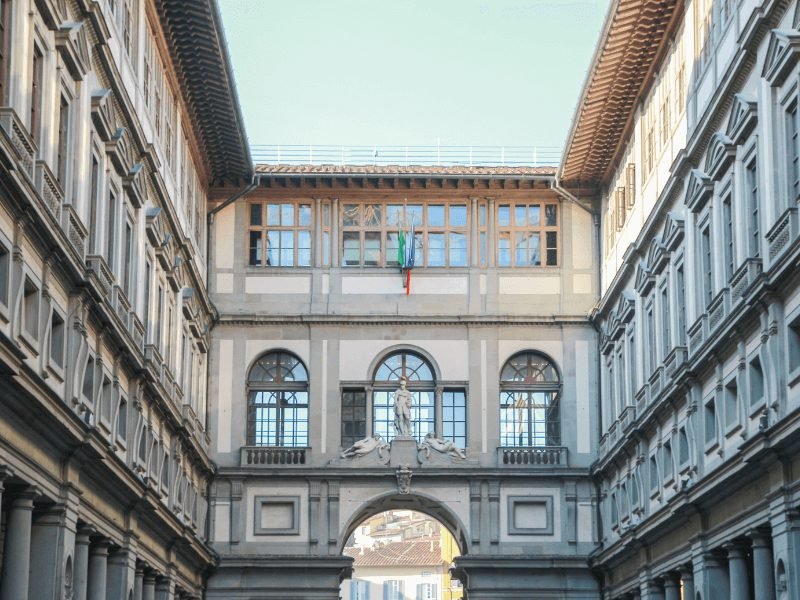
{"type": "Point", "coordinates": [409, 72]}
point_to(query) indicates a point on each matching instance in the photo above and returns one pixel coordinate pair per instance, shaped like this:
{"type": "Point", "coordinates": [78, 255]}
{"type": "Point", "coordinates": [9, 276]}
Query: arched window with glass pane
{"type": "Point", "coordinates": [277, 401]}
{"type": "Point", "coordinates": [421, 384]}
{"type": "Point", "coordinates": [530, 388]}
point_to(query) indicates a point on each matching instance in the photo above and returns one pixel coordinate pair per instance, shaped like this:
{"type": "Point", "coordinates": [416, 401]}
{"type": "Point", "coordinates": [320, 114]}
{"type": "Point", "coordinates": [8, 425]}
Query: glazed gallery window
{"type": "Point", "coordinates": [421, 385]}
{"type": "Point", "coordinates": [527, 235]}
{"type": "Point", "coordinates": [277, 401]}
{"type": "Point", "coordinates": [370, 234]}
{"type": "Point", "coordinates": [279, 234]}
{"type": "Point", "coordinates": [530, 387]}
{"type": "Point", "coordinates": [437, 409]}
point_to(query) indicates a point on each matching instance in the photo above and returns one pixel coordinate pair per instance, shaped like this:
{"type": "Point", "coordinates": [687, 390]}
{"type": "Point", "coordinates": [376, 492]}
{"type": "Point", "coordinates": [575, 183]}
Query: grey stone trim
{"type": "Point", "coordinates": [513, 501]}
{"type": "Point", "coordinates": [293, 501]}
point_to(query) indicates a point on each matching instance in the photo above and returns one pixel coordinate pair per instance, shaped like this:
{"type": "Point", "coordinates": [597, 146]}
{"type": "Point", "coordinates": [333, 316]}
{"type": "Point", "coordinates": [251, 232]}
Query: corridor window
{"type": "Point", "coordinates": [529, 402]}
{"type": "Point", "coordinates": [454, 417]}
{"type": "Point", "coordinates": [277, 402]}
{"type": "Point", "coordinates": [279, 234]}
{"type": "Point", "coordinates": [354, 417]}
{"type": "Point", "coordinates": [370, 234]}
{"type": "Point", "coordinates": [527, 235]}
{"type": "Point", "coordinates": [421, 385]}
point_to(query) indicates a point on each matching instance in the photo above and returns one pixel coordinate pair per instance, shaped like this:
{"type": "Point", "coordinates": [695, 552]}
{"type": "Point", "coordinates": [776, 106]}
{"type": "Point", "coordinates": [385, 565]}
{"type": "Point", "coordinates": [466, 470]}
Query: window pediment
{"type": "Point", "coordinates": [742, 120]}
{"type": "Point", "coordinates": [644, 279]}
{"type": "Point", "coordinates": [672, 235]}
{"type": "Point", "coordinates": [719, 156]}
{"type": "Point", "coordinates": [782, 54]}
{"type": "Point", "coordinates": [73, 45]}
{"type": "Point", "coordinates": [698, 191]}
{"type": "Point", "coordinates": [103, 117]}
{"type": "Point", "coordinates": [134, 185]}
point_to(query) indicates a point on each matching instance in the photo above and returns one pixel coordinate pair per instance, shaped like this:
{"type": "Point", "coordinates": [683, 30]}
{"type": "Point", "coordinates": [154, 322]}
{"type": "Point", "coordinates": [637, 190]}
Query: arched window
{"type": "Point", "coordinates": [277, 401]}
{"type": "Point", "coordinates": [529, 402]}
{"type": "Point", "coordinates": [422, 386]}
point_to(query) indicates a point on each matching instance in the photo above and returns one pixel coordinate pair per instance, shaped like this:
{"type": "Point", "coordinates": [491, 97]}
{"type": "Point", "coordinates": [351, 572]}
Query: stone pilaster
{"type": "Point", "coordinates": [17, 549]}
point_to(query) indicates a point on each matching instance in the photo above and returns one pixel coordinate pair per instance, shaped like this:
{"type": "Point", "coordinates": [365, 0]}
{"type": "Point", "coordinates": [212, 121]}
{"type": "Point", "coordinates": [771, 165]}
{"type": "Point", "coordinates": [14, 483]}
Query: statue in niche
{"type": "Point", "coordinates": [402, 410]}
{"type": "Point", "coordinates": [365, 446]}
{"type": "Point", "coordinates": [431, 442]}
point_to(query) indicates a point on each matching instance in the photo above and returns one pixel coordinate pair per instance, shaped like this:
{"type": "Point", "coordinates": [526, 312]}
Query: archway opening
{"type": "Point", "coordinates": [401, 554]}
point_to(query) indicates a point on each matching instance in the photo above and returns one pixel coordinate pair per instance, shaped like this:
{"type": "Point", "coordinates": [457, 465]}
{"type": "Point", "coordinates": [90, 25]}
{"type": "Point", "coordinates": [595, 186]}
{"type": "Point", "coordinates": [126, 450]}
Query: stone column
{"type": "Point", "coordinates": [17, 549]}
{"type": "Point", "coordinates": [120, 574]}
{"type": "Point", "coordinates": [653, 590]}
{"type": "Point", "coordinates": [687, 578]}
{"type": "Point", "coordinates": [672, 588]}
{"type": "Point", "coordinates": [51, 543]}
{"type": "Point", "coordinates": [164, 589]}
{"type": "Point", "coordinates": [138, 582]}
{"type": "Point", "coordinates": [737, 572]}
{"type": "Point", "coordinates": [98, 571]}
{"type": "Point", "coordinates": [80, 564]}
{"type": "Point", "coordinates": [763, 571]}
{"type": "Point", "coordinates": [149, 586]}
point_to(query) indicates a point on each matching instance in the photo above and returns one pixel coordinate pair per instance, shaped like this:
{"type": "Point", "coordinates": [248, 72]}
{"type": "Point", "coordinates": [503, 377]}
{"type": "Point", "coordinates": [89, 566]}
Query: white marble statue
{"type": "Point", "coordinates": [402, 410]}
{"type": "Point", "coordinates": [365, 446]}
{"type": "Point", "coordinates": [431, 442]}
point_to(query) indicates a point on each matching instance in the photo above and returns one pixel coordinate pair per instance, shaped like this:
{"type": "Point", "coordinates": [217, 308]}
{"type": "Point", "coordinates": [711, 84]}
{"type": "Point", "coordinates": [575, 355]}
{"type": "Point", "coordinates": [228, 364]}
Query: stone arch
{"type": "Point", "coordinates": [280, 349]}
{"type": "Point", "coordinates": [389, 350]}
{"type": "Point", "coordinates": [416, 501]}
{"type": "Point", "coordinates": [503, 360]}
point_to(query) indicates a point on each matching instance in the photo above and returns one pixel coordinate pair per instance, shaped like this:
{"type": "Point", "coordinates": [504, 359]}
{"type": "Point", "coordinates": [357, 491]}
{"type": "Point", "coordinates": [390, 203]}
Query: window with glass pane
{"type": "Point", "coordinates": [454, 417]}
{"type": "Point", "coordinates": [354, 417]}
{"type": "Point", "coordinates": [370, 234]}
{"type": "Point", "coordinates": [527, 235]}
{"type": "Point", "coordinates": [529, 402]}
{"type": "Point", "coordinates": [421, 386]}
{"type": "Point", "coordinates": [277, 403]}
{"type": "Point", "coordinates": [279, 234]}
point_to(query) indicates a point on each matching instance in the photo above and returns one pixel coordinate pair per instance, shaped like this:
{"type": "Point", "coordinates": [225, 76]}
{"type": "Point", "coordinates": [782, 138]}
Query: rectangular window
{"type": "Point", "coordinates": [106, 400]}
{"type": "Point", "coordinates": [653, 473]}
{"type": "Point", "coordinates": [793, 340]}
{"type": "Point", "coordinates": [669, 467]}
{"type": "Point", "coordinates": [620, 207]}
{"type": "Point", "coordinates": [527, 235]}
{"type": "Point", "coordinates": [393, 590]}
{"type": "Point", "coordinates": [354, 416]}
{"type": "Point", "coordinates": [727, 229]}
{"type": "Point", "coordinates": [793, 152]}
{"type": "Point", "coordinates": [93, 205]}
{"type": "Point", "coordinates": [680, 292]}
{"type": "Point", "coordinates": [632, 375]}
{"type": "Point", "coordinates": [5, 274]}
{"type": "Point", "coordinates": [57, 339]}
{"type": "Point", "coordinates": [710, 421]}
{"type": "Point", "coordinates": [30, 307]}
{"type": "Point", "coordinates": [427, 591]}
{"type": "Point", "coordinates": [111, 228]}
{"type": "Point", "coordinates": [756, 381]}
{"type": "Point", "coordinates": [122, 419]}
{"type": "Point", "coordinates": [126, 26]}
{"type": "Point", "coordinates": [753, 228]}
{"type": "Point", "coordinates": [731, 393]}
{"type": "Point", "coordinates": [63, 142]}
{"type": "Point", "coordinates": [630, 185]}
{"type": "Point", "coordinates": [87, 390]}
{"type": "Point", "coordinates": [707, 271]}
{"type": "Point", "coordinates": [127, 260]}
{"type": "Point", "coordinates": [650, 337]}
{"type": "Point", "coordinates": [148, 275]}
{"type": "Point", "coordinates": [37, 74]}
{"type": "Point", "coordinates": [279, 234]}
{"type": "Point", "coordinates": [159, 319]}
{"type": "Point", "coordinates": [666, 329]}
{"type": "Point", "coordinates": [147, 86]}
{"type": "Point", "coordinates": [683, 447]}
{"type": "Point", "coordinates": [326, 234]}
{"type": "Point", "coordinates": [454, 417]}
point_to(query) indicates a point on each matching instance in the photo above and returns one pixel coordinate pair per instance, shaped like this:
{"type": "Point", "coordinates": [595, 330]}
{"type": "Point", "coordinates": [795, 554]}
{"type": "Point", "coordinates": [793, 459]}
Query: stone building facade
{"type": "Point", "coordinates": [108, 150]}
{"type": "Point", "coordinates": [315, 330]}
{"type": "Point", "coordinates": [698, 189]}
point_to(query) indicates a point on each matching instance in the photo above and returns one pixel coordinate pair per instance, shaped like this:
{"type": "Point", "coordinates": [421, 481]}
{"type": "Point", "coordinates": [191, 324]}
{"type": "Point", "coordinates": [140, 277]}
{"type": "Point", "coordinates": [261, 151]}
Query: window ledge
{"type": "Point", "coordinates": [711, 446]}
{"type": "Point", "coordinates": [56, 371]}
{"type": "Point", "coordinates": [757, 408]}
{"type": "Point", "coordinates": [732, 429]}
{"type": "Point", "coordinates": [29, 341]}
{"type": "Point", "coordinates": [793, 378]}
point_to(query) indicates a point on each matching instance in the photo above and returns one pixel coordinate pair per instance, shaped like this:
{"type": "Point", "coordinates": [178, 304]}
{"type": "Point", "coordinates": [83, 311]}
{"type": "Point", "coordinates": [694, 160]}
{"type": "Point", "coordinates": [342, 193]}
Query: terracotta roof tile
{"type": "Point", "coordinates": [417, 552]}
{"type": "Point", "coordinates": [401, 170]}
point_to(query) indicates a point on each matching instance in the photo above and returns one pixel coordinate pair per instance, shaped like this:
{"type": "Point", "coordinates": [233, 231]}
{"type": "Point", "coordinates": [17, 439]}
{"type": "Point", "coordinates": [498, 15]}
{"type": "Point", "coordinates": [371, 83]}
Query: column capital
{"type": "Point", "coordinates": [736, 550]}
{"type": "Point", "coordinates": [760, 538]}
{"type": "Point", "coordinates": [99, 548]}
{"type": "Point", "coordinates": [670, 580]}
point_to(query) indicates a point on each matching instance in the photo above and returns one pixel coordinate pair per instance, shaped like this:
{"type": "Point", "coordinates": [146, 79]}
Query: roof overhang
{"type": "Point", "coordinates": [197, 41]}
{"type": "Point", "coordinates": [630, 47]}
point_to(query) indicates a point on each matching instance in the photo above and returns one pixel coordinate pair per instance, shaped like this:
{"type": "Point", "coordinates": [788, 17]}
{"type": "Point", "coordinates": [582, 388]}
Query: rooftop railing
{"type": "Point", "coordinates": [471, 156]}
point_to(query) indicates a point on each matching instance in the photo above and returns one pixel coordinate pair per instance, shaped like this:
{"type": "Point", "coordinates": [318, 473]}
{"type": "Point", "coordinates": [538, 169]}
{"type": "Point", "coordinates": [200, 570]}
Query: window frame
{"type": "Point", "coordinates": [530, 387]}
{"type": "Point", "coordinates": [278, 387]}
{"type": "Point", "coordinates": [513, 230]}
{"type": "Point", "coordinates": [295, 228]}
